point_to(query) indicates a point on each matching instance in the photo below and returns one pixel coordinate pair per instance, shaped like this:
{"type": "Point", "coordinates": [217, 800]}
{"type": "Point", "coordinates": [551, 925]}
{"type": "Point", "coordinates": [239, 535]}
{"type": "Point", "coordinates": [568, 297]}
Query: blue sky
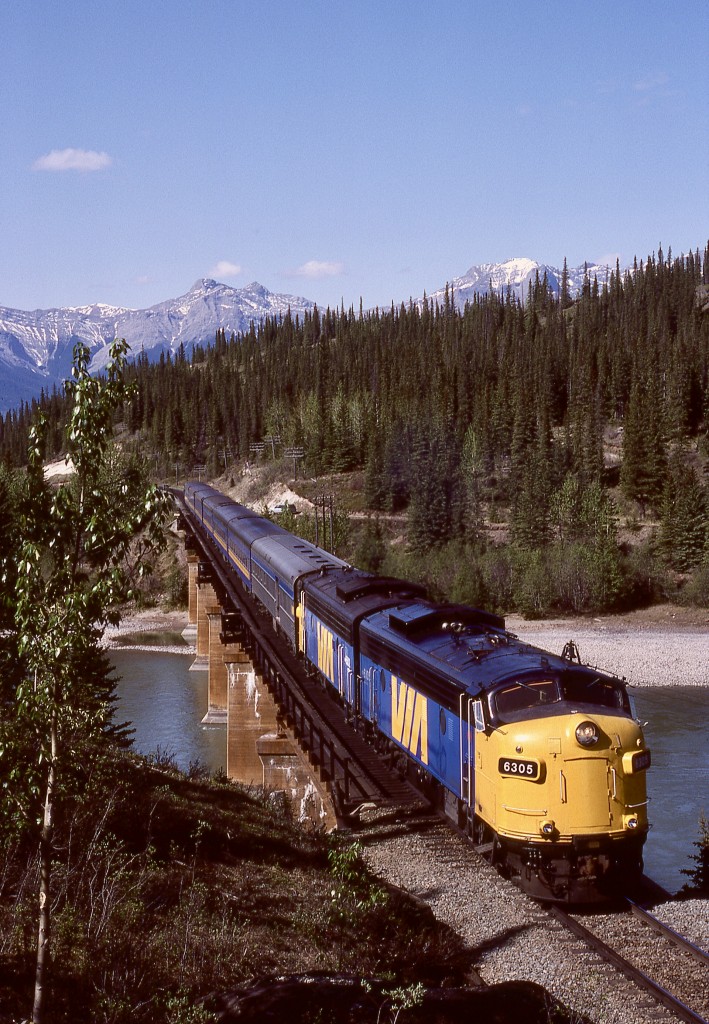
{"type": "Point", "coordinates": [338, 150]}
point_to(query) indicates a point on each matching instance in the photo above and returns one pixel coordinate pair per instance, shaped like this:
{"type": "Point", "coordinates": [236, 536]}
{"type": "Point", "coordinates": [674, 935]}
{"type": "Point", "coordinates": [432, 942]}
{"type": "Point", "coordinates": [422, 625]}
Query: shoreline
{"type": "Point", "coordinates": [151, 620]}
{"type": "Point", "coordinates": [664, 645]}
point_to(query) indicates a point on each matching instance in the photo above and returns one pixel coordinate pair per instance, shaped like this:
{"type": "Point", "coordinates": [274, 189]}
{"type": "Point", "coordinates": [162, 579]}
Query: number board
{"type": "Point", "coordinates": [518, 767]}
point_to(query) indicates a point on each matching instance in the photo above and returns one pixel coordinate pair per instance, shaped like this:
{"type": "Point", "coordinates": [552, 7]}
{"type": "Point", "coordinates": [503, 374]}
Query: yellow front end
{"type": "Point", "coordinates": [566, 796]}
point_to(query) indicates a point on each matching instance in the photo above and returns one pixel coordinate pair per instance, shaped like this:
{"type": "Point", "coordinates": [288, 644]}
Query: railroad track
{"type": "Point", "coordinates": [671, 971]}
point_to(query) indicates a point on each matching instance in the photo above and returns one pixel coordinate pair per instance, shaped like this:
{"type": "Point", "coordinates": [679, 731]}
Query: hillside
{"type": "Point", "coordinates": [187, 894]}
{"type": "Point", "coordinates": [36, 345]}
{"type": "Point", "coordinates": [545, 456]}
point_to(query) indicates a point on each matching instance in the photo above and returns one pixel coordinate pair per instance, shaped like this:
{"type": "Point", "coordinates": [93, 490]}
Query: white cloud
{"type": "Point", "coordinates": [224, 268]}
{"type": "Point", "coordinates": [651, 81]}
{"type": "Point", "coordinates": [72, 160]}
{"type": "Point", "coordinates": [319, 268]}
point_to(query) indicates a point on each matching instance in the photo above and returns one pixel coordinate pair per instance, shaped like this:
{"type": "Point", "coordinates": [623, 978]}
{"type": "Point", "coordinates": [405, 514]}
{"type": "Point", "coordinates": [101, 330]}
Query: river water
{"type": "Point", "coordinates": [165, 703]}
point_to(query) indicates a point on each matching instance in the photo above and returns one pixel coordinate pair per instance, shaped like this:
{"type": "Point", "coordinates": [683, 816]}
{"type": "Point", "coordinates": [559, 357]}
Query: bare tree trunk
{"type": "Point", "coordinates": [45, 862]}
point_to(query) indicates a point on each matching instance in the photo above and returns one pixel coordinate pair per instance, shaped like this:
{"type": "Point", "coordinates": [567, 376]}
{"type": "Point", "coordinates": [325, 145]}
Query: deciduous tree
{"type": "Point", "coordinates": [77, 551]}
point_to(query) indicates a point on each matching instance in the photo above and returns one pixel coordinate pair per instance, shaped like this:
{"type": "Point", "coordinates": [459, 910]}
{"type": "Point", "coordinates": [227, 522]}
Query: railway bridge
{"type": "Point", "coordinates": [285, 731]}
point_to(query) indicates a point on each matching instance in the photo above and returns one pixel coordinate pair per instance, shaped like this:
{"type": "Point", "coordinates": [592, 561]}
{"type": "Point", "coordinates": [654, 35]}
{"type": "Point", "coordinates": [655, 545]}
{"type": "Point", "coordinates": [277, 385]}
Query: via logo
{"type": "Point", "coordinates": [325, 655]}
{"type": "Point", "coordinates": [409, 718]}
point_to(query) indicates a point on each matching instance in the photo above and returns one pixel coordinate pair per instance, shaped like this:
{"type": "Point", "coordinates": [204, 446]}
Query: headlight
{"type": "Point", "coordinates": [587, 734]}
{"type": "Point", "coordinates": [547, 827]}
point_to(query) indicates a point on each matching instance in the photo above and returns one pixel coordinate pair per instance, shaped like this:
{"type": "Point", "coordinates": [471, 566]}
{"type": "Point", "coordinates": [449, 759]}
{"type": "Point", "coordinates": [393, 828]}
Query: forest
{"type": "Point", "coordinates": [549, 455]}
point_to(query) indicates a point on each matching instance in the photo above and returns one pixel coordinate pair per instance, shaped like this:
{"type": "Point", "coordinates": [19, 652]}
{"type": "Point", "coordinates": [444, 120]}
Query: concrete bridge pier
{"type": "Point", "coordinates": [192, 569]}
{"type": "Point", "coordinates": [286, 770]}
{"type": "Point", "coordinates": [205, 603]}
{"type": "Point", "coordinates": [251, 712]}
{"type": "Point", "coordinates": [221, 654]}
{"type": "Point", "coordinates": [260, 752]}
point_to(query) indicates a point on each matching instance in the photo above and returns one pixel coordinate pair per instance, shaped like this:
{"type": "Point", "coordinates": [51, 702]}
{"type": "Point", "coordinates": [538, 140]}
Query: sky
{"type": "Point", "coordinates": [341, 150]}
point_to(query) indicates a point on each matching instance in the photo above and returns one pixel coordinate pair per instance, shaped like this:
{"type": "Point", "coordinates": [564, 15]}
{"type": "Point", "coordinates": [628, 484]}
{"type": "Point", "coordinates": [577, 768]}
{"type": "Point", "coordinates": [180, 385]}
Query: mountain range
{"type": "Point", "coordinates": [36, 347]}
{"type": "Point", "coordinates": [515, 276]}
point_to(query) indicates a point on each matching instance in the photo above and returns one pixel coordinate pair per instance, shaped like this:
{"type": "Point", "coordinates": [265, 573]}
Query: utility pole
{"type": "Point", "coordinates": [327, 501]}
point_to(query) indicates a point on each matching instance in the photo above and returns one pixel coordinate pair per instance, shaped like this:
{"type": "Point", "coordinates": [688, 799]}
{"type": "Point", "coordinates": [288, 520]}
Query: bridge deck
{"type": "Point", "coordinates": [312, 710]}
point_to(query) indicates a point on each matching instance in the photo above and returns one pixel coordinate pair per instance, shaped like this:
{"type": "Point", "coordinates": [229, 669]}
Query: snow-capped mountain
{"type": "Point", "coordinates": [515, 276]}
{"type": "Point", "coordinates": [36, 347]}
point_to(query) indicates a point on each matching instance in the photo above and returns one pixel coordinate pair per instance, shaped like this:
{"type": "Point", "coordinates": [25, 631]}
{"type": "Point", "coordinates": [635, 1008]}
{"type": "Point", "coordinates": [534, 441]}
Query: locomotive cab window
{"type": "Point", "coordinates": [585, 688]}
{"type": "Point", "coordinates": [523, 695]}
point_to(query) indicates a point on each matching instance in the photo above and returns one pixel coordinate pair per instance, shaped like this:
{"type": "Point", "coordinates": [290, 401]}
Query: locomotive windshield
{"type": "Point", "coordinates": [587, 688]}
{"type": "Point", "coordinates": [572, 687]}
{"type": "Point", "coordinates": [518, 695]}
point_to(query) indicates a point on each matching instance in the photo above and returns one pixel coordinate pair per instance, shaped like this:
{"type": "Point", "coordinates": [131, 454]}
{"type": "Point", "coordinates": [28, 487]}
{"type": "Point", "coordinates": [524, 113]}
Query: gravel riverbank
{"type": "Point", "coordinates": [660, 646]}
{"type": "Point", "coordinates": [126, 635]}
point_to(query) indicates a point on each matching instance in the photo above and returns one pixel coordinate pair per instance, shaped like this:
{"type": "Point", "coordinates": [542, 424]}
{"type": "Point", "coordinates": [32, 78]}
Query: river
{"type": "Point", "coordinates": [165, 703]}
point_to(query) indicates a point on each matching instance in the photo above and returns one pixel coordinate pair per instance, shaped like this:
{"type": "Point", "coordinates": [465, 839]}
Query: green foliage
{"type": "Point", "coordinates": [74, 559]}
{"type": "Point", "coordinates": [696, 591]}
{"type": "Point", "coordinates": [684, 518]}
{"type": "Point", "coordinates": [532, 592]}
{"type": "Point", "coordinates": [77, 551]}
{"type": "Point", "coordinates": [497, 412]}
{"type": "Point", "coordinates": [166, 890]}
{"type": "Point", "coordinates": [175, 584]}
{"type": "Point", "coordinates": [354, 891]}
{"type": "Point", "coordinates": [400, 999]}
{"type": "Point", "coordinates": [577, 578]}
{"type": "Point", "coordinates": [698, 886]}
{"type": "Point", "coordinates": [371, 549]}
{"type": "Point", "coordinates": [583, 513]}
{"type": "Point", "coordinates": [644, 466]}
{"type": "Point", "coordinates": [354, 894]}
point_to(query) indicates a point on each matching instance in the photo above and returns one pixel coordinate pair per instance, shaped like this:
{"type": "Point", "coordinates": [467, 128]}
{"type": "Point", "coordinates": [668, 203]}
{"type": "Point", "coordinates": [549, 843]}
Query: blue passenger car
{"type": "Point", "coordinates": [279, 566]}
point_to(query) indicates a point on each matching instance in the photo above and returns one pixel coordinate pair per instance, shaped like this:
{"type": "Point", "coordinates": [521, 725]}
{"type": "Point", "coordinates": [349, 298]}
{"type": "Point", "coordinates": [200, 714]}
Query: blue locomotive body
{"type": "Point", "coordinates": [541, 756]}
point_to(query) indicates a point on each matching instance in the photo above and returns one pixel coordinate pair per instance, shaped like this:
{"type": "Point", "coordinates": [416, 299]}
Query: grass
{"type": "Point", "coordinates": [168, 889]}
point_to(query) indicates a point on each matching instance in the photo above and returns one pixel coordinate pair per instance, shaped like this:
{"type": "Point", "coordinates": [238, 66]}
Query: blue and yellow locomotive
{"type": "Point", "coordinates": [538, 756]}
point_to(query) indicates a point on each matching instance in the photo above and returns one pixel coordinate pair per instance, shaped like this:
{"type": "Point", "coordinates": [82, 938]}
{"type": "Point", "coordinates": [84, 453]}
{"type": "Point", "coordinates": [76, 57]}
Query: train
{"type": "Point", "coordinates": [540, 758]}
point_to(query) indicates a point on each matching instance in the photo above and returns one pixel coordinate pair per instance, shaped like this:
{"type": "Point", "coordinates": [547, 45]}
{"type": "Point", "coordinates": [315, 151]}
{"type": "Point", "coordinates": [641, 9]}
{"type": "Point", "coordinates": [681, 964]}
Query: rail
{"type": "Point", "coordinates": [663, 929]}
{"type": "Point", "coordinates": [634, 974]}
